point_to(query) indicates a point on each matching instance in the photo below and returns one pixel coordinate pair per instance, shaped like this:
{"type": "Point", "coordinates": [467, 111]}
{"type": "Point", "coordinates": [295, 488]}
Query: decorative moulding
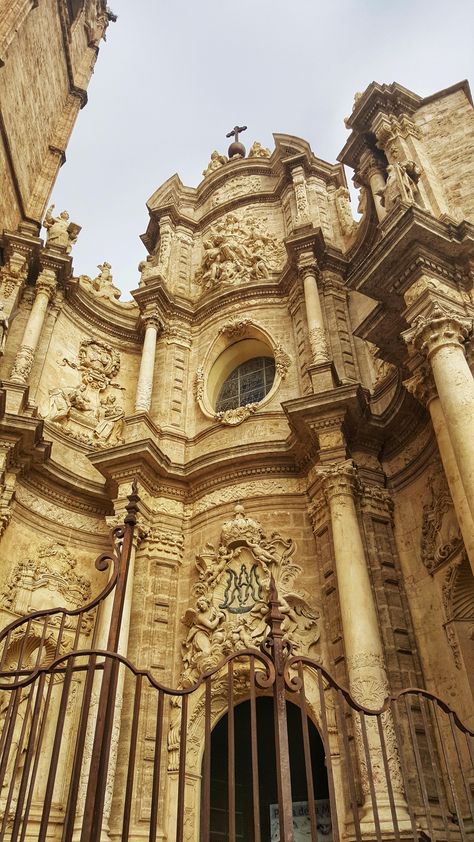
{"type": "Point", "coordinates": [237, 340]}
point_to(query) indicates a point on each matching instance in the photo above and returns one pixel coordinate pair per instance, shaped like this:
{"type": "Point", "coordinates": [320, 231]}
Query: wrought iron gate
{"type": "Point", "coordinates": [77, 757]}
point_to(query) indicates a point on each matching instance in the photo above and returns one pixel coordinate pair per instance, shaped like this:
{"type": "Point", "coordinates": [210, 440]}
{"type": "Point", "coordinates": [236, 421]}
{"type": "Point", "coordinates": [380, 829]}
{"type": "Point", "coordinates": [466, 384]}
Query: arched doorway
{"type": "Point", "coordinates": [267, 779]}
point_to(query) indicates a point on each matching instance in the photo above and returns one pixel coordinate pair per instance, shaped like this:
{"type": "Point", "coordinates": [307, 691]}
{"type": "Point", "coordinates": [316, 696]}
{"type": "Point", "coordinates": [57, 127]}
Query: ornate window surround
{"type": "Point", "coordinates": [237, 342]}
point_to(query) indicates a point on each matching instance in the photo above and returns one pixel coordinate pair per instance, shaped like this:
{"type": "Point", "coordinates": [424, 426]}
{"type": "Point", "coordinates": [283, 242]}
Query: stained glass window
{"type": "Point", "coordinates": [248, 383]}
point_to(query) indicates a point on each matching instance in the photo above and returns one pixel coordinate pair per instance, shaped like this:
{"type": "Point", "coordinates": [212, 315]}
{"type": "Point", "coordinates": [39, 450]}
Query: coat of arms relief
{"type": "Point", "coordinates": [231, 596]}
{"type": "Point", "coordinates": [89, 411]}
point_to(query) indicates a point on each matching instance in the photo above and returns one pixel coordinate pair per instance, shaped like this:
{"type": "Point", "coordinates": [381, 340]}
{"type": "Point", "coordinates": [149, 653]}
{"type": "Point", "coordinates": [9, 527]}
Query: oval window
{"type": "Point", "coordinates": [248, 383]}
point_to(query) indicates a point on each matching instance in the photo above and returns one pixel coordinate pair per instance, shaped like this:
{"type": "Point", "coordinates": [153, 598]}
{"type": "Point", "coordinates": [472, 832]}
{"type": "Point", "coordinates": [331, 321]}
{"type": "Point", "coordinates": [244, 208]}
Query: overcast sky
{"type": "Point", "coordinates": [175, 75]}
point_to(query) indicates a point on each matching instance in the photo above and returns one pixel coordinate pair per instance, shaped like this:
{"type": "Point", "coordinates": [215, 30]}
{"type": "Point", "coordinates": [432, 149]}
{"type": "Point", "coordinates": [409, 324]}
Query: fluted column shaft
{"type": "Point", "coordinates": [440, 336]}
{"type": "Point", "coordinates": [147, 366]}
{"type": "Point", "coordinates": [314, 314]}
{"type": "Point", "coordinates": [45, 287]}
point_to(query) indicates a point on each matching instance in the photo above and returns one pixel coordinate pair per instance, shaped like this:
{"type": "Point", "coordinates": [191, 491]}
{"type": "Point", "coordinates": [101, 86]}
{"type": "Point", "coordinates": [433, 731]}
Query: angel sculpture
{"type": "Point", "coordinates": [203, 640]}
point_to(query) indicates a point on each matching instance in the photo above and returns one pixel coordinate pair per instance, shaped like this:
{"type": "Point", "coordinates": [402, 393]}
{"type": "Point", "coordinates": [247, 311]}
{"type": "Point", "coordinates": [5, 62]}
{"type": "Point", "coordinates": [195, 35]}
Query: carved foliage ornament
{"type": "Point", "coordinates": [230, 596]}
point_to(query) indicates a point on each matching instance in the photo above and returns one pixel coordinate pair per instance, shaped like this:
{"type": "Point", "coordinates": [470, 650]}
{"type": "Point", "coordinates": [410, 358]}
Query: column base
{"type": "Point", "coordinates": [323, 376]}
{"type": "Point", "coordinates": [16, 396]}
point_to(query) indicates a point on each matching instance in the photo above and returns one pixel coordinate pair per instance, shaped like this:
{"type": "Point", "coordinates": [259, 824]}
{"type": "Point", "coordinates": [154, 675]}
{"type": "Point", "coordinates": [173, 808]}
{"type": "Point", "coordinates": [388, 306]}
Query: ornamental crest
{"type": "Point", "coordinates": [440, 533]}
{"type": "Point", "coordinates": [237, 250]}
{"type": "Point", "coordinates": [230, 598]}
{"type": "Point", "coordinates": [45, 581]}
{"type": "Point", "coordinates": [89, 411]}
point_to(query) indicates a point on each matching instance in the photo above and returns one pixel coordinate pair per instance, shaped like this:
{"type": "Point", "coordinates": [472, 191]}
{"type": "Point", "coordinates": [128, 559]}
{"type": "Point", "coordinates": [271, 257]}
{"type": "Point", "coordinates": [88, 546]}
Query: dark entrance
{"type": "Point", "coordinates": [266, 772]}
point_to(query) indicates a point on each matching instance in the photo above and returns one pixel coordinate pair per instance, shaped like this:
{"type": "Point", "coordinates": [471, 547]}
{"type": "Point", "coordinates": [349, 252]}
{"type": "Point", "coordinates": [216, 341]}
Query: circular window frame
{"type": "Point", "coordinates": [236, 343]}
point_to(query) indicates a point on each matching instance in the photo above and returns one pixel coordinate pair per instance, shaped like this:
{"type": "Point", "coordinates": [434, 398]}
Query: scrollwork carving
{"type": "Point", "coordinates": [231, 595]}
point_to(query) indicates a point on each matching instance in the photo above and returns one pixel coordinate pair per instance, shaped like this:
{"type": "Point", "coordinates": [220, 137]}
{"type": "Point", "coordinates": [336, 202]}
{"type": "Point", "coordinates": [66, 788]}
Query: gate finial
{"type": "Point", "coordinates": [274, 617]}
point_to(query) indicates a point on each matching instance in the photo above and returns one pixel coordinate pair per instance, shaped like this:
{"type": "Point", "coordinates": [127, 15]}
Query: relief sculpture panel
{"type": "Point", "coordinates": [89, 412]}
{"type": "Point", "coordinates": [231, 594]}
{"type": "Point", "coordinates": [239, 249]}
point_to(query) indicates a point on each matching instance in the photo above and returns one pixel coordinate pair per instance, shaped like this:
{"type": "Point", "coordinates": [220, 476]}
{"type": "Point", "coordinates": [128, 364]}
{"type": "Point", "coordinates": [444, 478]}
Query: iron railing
{"type": "Point", "coordinates": [265, 746]}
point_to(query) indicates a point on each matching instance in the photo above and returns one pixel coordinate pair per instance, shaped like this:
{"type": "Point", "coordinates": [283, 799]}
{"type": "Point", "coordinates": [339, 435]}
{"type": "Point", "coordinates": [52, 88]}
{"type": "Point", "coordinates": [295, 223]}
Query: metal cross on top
{"type": "Point", "coordinates": [236, 131]}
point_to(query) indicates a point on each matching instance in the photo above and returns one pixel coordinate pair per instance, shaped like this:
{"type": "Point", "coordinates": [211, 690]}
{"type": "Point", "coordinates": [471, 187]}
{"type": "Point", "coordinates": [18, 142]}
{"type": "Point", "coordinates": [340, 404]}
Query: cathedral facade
{"type": "Point", "coordinates": [286, 408]}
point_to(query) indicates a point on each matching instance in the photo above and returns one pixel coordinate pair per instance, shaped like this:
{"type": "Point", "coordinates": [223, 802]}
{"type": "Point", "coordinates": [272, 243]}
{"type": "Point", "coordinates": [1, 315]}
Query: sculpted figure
{"type": "Point", "coordinates": [102, 285]}
{"type": "Point", "coordinates": [61, 233]}
{"type": "Point", "coordinates": [59, 405]}
{"type": "Point", "coordinates": [112, 414]}
{"type": "Point", "coordinates": [215, 163]}
{"type": "Point", "coordinates": [259, 151]}
{"type": "Point", "coordinates": [3, 330]}
{"type": "Point", "coordinates": [201, 638]}
{"type": "Point", "coordinates": [401, 184]}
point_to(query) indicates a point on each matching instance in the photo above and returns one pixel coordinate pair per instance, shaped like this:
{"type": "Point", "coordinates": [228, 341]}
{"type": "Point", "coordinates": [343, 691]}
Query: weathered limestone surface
{"type": "Point", "coordinates": [341, 467]}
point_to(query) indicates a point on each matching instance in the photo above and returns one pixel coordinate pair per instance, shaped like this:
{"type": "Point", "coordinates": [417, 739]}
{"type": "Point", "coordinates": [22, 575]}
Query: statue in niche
{"type": "Point", "coordinates": [343, 207]}
{"type": "Point", "coordinates": [231, 596]}
{"type": "Point", "coordinates": [217, 161]}
{"type": "Point", "coordinates": [61, 233]}
{"type": "Point", "coordinates": [258, 151]}
{"type": "Point", "coordinates": [440, 533]}
{"type": "Point", "coordinates": [401, 185]}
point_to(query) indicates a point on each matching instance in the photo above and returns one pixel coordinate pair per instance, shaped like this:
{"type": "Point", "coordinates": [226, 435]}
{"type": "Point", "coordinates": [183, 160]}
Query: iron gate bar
{"type": "Point", "coordinates": [157, 766]}
{"type": "Point", "coordinates": [254, 748]}
{"type": "Point", "coordinates": [279, 671]}
{"type": "Point", "coordinates": [307, 755]}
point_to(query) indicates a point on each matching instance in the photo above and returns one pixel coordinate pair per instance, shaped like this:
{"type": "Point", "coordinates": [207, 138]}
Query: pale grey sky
{"type": "Point", "coordinates": [175, 75]}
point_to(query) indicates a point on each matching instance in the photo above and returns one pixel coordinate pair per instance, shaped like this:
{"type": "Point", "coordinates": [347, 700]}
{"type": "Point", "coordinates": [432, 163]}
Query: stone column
{"type": "Point", "coordinates": [147, 364]}
{"type": "Point", "coordinates": [362, 641]}
{"type": "Point", "coordinates": [439, 335]}
{"type": "Point", "coordinates": [45, 287]}
{"type": "Point", "coordinates": [422, 387]}
{"type": "Point", "coordinates": [314, 314]}
{"type": "Point", "coordinates": [370, 172]}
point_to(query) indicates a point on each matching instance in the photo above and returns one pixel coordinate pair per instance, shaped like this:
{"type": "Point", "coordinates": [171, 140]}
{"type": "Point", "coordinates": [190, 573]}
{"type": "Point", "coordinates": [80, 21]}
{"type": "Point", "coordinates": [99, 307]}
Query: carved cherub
{"type": "Point", "coordinates": [3, 329]}
{"type": "Point", "coordinates": [259, 151]}
{"type": "Point", "coordinates": [202, 622]}
{"type": "Point", "coordinates": [217, 161]}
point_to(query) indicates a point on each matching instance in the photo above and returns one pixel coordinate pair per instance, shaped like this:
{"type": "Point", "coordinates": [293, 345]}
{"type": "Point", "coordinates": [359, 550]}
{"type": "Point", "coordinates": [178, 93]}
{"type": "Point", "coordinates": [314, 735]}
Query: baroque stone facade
{"type": "Point", "coordinates": [291, 389]}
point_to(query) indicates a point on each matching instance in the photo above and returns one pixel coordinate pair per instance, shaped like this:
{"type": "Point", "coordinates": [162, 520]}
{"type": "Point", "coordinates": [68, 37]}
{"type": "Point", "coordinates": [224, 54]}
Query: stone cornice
{"type": "Point", "coordinates": [378, 98]}
{"type": "Point", "coordinates": [105, 319]}
{"type": "Point", "coordinates": [173, 197]}
{"type": "Point", "coordinates": [414, 242]}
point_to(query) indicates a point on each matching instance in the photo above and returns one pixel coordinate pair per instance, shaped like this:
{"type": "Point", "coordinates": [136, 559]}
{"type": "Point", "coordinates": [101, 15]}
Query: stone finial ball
{"type": "Point", "coordinates": [236, 148]}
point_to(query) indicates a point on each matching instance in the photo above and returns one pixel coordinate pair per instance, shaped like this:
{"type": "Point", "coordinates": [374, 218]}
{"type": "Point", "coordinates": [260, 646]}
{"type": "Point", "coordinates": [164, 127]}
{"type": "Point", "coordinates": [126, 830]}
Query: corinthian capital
{"type": "Point", "coordinates": [46, 282]}
{"type": "Point", "coordinates": [151, 318]}
{"type": "Point", "coordinates": [441, 327]}
{"type": "Point", "coordinates": [307, 266]}
{"type": "Point", "coordinates": [421, 385]}
{"type": "Point", "coordinates": [339, 480]}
